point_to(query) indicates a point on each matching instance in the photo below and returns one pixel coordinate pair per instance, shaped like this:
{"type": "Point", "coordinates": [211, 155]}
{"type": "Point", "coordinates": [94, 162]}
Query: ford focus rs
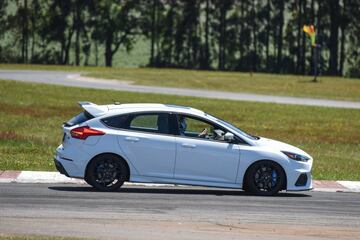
{"type": "Point", "coordinates": [107, 145]}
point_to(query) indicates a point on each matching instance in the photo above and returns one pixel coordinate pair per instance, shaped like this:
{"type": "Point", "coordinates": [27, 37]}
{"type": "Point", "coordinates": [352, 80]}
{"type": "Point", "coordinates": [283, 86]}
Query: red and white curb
{"type": "Point", "coordinates": [55, 177]}
{"type": "Point", "coordinates": [51, 177]}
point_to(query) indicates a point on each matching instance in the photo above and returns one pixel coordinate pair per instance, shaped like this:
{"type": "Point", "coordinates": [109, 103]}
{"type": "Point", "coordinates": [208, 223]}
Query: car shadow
{"type": "Point", "coordinates": [162, 190]}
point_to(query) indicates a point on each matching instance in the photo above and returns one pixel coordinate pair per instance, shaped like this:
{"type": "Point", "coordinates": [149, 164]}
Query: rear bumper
{"type": "Point", "coordinates": [66, 166]}
{"type": "Point", "coordinates": [60, 168]}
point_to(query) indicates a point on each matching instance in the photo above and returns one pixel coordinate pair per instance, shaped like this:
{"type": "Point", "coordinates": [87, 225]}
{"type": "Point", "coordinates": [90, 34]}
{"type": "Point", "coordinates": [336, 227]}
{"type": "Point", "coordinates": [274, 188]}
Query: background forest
{"type": "Point", "coordinates": [234, 35]}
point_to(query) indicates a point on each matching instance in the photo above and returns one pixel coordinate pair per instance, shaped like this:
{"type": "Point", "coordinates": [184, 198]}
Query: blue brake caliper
{"type": "Point", "coordinates": [274, 177]}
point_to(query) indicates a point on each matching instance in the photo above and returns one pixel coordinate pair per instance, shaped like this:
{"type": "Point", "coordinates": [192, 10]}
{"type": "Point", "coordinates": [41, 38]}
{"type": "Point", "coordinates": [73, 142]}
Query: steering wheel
{"type": "Point", "coordinates": [204, 133]}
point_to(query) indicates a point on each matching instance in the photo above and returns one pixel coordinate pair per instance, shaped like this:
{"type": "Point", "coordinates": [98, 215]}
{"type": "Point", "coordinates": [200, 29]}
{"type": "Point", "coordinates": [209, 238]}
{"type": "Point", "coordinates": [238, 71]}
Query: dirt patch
{"type": "Point", "coordinates": [13, 136]}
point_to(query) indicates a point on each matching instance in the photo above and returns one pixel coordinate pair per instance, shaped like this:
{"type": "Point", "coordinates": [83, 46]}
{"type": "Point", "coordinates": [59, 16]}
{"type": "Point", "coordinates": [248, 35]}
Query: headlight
{"type": "Point", "coordinates": [296, 157]}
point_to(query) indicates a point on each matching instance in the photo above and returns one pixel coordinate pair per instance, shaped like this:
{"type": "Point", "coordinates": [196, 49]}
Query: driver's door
{"type": "Point", "coordinates": [202, 155]}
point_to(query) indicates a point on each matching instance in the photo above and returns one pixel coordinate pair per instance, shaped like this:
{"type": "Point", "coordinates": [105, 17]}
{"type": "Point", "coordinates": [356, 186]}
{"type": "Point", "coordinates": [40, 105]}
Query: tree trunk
{"type": "Point", "coordinates": [342, 48]}
{"type": "Point", "coordinates": [319, 35]}
{"type": "Point", "coordinates": [299, 36]}
{"type": "Point", "coordinates": [25, 33]}
{"type": "Point", "coordinates": [242, 12]}
{"type": "Point", "coordinates": [312, 21]}
{"type": "Point", "coordinates": [267, 40]}
{"type": "Point", "coordinates": [153, 33]}
{"type": "Point", "coordinates": [207, 50]}
{"type": "Point", "coordinates": [303, 43]}
{"type": "Point", "coordinates": [96, 53]}
{"type": "Point", "coordinates": [77, 32]}
{"type": "Point", "coordinates": [334, 34]}
{"type": "Point", "coordinates": [280, 37]}
{"type": "Point", "coordinates": [33, 30]}
{"type": "Point", "coordinates": [67, 47]}
{"type": "Point", "coordinates": [62, 50]}
{"type": "Point", "coordinates": [254, 33]}
{"type": "Point", "coordinates": [170, 35]}
{"type": "Point", "coordinates": [108, 49]}
{"type": "Point", "coordinates": [221, 35]}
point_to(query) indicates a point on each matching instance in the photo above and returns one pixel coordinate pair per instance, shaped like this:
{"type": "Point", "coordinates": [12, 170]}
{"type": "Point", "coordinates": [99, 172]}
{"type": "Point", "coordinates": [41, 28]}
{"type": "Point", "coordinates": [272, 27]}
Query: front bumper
{"type": "Point", "coordinates": [300, 181]}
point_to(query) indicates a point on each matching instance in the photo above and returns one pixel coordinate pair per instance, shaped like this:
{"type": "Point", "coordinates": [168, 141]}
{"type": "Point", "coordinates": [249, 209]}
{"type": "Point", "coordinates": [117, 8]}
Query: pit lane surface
{"type": "Point", "coordinates": [175, 213]}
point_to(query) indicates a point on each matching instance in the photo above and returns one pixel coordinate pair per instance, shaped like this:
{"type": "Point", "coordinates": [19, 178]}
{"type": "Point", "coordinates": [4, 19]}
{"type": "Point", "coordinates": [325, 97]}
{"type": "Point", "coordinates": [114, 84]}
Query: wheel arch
{"type": "Point", "coordinates": [110, 153]}
{"type": "Point", "coordinates": [261, 160]}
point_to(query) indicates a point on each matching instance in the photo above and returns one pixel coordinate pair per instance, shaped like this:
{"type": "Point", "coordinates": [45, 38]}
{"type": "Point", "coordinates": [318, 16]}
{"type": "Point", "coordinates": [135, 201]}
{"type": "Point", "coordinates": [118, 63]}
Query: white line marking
{"type": "Point", "coordinates": [354, 186]}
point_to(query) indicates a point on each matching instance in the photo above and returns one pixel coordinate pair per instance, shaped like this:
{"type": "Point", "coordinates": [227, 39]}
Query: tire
{"type": "Point", "coordinates": [265, 178]}
{"type": "Point", "coordinates": [87, 181]}
{"type": "Point", "coordinates": [107, 172]}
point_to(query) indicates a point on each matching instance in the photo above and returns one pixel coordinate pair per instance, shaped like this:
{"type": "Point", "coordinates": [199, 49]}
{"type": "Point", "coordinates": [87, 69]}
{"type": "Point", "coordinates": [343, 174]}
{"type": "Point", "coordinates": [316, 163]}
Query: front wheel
{"type": "Point", "coordinates": [265, 178]}
{"type": "Point", "coordinates": [107, 172]}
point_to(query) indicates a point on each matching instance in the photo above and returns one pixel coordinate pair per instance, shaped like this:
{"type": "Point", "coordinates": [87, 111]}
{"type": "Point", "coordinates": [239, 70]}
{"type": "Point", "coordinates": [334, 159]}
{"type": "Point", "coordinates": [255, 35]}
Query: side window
{"type": "Point", "coordinates": [150, 122]}
{"type": "Point", "coordinates": [193, 127]}
{"type": "Point", "coordinates": [116, 121]}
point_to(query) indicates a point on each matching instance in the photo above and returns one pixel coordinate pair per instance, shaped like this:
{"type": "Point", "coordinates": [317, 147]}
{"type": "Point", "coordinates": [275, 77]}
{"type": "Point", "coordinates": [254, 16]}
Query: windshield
{"type": "Point", "coordinates": [232, 127]}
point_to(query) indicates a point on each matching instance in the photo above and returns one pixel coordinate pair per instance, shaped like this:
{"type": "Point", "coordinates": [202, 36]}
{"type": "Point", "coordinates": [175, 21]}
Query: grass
{"type": "Point", "coordinates": [272, 84]}
{"type": "Point", "coordinates": [31, 116]}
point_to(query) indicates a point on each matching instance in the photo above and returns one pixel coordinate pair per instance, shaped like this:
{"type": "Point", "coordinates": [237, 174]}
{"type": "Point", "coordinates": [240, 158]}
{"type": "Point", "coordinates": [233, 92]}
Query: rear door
{"type": "Point", "coordinates": [146, 140]}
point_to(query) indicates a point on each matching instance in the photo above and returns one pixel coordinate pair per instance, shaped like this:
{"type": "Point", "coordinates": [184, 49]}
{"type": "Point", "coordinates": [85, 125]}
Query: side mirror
{"type": "Point", "coordinates": [229, 137]}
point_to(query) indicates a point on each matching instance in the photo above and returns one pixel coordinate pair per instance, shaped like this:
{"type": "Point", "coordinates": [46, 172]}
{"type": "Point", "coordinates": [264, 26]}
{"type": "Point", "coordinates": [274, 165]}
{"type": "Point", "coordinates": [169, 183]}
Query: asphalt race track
{"type": "Point", "coordinates": [176, 213]}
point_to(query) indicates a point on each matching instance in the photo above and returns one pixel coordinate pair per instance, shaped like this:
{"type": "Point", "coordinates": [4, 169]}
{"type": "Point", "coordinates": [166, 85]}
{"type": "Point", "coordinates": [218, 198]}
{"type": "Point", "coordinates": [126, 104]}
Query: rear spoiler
{"type": "Point", "coordinates": [93, 109]}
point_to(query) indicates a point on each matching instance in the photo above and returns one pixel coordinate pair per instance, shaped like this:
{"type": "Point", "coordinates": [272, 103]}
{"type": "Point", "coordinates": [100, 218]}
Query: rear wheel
{"type": "Point", "coordinates": [107, 172]}
{"type": "Point", "coordinates": [265, 178]}
{"type": "Point", "coordinates": [87, 181]}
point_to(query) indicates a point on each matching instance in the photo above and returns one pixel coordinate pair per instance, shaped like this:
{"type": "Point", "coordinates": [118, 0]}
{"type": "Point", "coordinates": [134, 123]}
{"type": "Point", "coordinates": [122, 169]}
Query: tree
{"type": "Point", "coordinates": [205, 61]}
{"type": "Point", "coordinates": [353, 31]}
{"type": "Point", "coordinates": [115, 25]}
{"type": "Point", "coordinates": [231, 35]}
{"type": "Point", "coordinates": [334, 36]}
{"type": "Point", "coordinates": [34, 15]}
{"type": "Point", "coordinates": [59, 27]}
{"type": "Point", "coordinates": [3, 26]}
{"type": "Point", "coordinates": [267, 36]}
{"type": "Point", "coordinates": [279, 37]}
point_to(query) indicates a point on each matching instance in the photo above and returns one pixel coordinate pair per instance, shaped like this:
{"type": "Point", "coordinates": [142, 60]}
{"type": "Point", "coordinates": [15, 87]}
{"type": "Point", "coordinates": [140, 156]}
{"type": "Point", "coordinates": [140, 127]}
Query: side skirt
{"type": "Point", "coordinates": [144, 179]}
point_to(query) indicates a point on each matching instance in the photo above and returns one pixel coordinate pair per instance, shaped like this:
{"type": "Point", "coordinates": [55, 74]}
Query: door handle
{"type": "Point", "coordinates": [132, 139]}
{"type": "Point", "coordinates": [187, 145]}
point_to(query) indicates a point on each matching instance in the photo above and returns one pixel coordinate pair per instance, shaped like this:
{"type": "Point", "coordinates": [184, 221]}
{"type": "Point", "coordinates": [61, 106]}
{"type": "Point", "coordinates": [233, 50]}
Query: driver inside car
{"type": "Point", "coordinates": [182, 125]}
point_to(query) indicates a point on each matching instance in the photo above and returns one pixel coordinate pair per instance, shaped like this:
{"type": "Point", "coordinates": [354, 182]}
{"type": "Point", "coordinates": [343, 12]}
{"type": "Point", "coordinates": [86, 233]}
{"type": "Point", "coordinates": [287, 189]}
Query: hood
{"type": "Point", "coordinates": [281, 146]}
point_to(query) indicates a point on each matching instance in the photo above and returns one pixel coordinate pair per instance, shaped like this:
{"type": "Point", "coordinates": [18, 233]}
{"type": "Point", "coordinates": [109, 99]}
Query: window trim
{"type": "Point", "coordinates": [238, 140]}
{"type": "Point", "coordinates": [174, 127]}
{"type": "Point", "coordinates": [171, 128]}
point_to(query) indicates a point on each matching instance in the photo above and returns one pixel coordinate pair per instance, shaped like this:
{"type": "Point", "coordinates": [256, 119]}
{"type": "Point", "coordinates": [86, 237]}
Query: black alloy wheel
{"type": "Point", "coordinates": [265, 178]}
{"type": "Point", "coordinates": [107, 172]}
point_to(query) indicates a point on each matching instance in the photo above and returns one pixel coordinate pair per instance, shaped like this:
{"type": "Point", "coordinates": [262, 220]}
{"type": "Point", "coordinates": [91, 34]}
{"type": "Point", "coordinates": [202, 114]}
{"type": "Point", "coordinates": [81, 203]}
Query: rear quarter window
{"type": "Point", "coordinates": [78, 119]}
{"type": "Point", "coordinates": [118, 121]}
{"type": "Point", "coordinates": [144, 122]}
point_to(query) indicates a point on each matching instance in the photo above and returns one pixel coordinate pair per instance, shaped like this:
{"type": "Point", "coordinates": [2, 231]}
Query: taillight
{"type": "Point", "coordinates": [84, 132]}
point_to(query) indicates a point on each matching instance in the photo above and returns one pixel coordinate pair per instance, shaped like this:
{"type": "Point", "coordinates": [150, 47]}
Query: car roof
{"type": "Point", "coordinates": [99, 110]}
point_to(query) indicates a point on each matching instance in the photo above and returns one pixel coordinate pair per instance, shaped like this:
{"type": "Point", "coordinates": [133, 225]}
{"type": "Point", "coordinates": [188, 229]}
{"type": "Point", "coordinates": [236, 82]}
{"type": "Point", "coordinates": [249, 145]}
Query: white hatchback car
{"type": "Point", "coordinates": [156, 143]}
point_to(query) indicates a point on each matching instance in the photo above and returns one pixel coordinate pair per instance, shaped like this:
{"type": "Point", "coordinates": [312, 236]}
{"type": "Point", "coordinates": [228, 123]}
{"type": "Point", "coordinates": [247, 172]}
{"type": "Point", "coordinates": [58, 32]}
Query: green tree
{"type": "Point", "coordinates": [3, 26]}
{"type": "Point", "coordinates": [115, 25]}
